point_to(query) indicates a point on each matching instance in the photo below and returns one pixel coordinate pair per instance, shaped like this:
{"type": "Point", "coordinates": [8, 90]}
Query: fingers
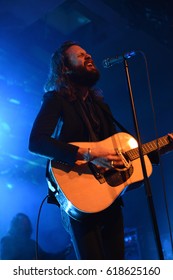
{"type": "Point", "coordinates": [107, 158]}
{"type": "Point", "coordinates": [115, 163]}
{"type": "Point", "coordinates": [115, 160]}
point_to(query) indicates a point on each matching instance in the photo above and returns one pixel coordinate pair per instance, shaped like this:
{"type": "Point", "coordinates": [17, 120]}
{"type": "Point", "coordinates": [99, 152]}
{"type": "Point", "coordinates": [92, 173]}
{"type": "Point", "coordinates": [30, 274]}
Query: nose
{"type": "Point", "coordinates": [87, 56]}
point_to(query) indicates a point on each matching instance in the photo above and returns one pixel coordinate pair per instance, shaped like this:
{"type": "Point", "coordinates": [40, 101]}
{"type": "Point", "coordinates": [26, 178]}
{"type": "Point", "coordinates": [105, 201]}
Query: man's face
{"type": "Point", "coordinates": [81, 66]}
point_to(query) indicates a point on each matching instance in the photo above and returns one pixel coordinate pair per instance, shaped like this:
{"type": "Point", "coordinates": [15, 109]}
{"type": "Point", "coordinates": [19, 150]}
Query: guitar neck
{"type": "Point", "coordinates": [149, 147]}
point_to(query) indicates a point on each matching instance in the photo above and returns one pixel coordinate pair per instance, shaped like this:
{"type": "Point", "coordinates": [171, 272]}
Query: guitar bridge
{"type": "Point", "coordinates": [97, 174]}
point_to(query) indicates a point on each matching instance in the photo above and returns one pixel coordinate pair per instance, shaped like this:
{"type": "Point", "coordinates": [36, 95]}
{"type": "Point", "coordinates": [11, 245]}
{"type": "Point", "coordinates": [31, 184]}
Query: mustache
{"type": "Point", "coordinates": [89, 60]}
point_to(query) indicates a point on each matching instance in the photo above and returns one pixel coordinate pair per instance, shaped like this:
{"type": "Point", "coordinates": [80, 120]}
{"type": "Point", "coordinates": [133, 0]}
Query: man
{"type": "Point", "coordinates": [72, 111]}
{"type": "Point", "coordinates": [18, 244]}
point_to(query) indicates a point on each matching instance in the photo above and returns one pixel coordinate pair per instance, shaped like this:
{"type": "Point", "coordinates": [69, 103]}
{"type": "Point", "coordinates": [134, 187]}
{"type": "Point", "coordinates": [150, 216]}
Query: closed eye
{"type": "Point", "coordinates": [81, 55]}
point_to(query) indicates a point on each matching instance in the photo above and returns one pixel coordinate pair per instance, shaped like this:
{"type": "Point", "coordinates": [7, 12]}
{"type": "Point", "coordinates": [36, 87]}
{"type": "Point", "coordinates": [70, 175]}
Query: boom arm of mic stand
{"type": "Point", "coordinates": [146, 179]}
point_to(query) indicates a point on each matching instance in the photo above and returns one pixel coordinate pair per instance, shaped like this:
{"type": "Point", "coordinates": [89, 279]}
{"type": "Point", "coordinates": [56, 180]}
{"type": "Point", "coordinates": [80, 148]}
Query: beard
{"type": "Point", "coordinates": [83, 77]}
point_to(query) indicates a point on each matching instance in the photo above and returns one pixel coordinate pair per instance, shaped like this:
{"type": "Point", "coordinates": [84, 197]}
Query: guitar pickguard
{"type": "Point", "coordinates": [114, 178]}
{"type": "Point", "coordinates": [111, 176]}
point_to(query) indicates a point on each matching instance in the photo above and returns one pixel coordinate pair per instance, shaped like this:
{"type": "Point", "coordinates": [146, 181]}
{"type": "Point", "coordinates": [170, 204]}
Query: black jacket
{"type": "Point", "coordinates": [60, 122]}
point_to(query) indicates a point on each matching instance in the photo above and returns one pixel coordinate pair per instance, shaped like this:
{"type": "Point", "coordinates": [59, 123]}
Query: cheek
{"type": "Point", "coordinates": [76, 61]}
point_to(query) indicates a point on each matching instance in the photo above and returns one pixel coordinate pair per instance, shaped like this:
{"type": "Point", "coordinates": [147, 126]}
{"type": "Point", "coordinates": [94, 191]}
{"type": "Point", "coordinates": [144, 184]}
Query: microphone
{"type": "Point", "coordinates": [108, 62]}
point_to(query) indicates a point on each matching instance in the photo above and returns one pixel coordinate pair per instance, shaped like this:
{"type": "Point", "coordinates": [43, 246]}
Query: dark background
{"type": "Point", "coordinates": [29, 32]}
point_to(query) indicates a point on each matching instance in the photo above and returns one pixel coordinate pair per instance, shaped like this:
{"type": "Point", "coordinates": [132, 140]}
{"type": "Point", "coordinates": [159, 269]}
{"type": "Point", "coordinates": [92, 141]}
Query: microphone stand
{"type": "Point", "coordinates": [146, 179]}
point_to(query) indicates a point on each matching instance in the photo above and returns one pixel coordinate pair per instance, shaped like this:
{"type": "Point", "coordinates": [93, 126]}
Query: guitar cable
{"type": "Point", "coordinates": [37, 227]}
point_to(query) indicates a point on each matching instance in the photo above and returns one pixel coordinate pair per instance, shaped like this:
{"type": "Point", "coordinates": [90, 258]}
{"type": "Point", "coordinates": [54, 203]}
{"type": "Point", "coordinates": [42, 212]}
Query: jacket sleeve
{"type": "Point", "coordinates": [42, 141]}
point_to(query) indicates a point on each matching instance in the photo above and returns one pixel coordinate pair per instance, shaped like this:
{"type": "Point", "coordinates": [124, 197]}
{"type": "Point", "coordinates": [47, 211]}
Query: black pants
{"type": "Point", "coordinates": [98, 236]}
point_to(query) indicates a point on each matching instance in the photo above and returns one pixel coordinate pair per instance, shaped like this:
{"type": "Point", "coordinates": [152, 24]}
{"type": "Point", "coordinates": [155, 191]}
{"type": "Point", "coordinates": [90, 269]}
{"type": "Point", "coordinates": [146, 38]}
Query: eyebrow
{"type": "Point", "coordinates": [81, 53]}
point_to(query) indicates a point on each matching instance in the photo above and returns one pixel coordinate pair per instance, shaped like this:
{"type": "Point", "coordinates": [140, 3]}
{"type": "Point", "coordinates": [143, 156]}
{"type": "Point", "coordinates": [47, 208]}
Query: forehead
{"type": "Point", "coordinates": [75, 49]}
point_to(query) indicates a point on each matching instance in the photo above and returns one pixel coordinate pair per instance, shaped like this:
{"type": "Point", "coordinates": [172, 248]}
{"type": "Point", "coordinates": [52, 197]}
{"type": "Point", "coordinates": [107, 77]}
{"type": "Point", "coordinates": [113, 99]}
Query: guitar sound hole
{"type": "Point", "coordinates": [115, 178]}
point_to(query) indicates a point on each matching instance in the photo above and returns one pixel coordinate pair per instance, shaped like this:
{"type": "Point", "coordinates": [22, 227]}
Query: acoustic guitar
{"type": "Point", "coordinates": [87, 188]}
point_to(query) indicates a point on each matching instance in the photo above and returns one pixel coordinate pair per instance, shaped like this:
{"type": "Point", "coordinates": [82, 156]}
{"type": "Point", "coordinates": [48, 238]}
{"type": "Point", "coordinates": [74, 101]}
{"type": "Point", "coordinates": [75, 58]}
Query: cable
{"type": "Point", "coordinates": [160, 160]}
{"type": "Point", "coordinates": [37, 227]}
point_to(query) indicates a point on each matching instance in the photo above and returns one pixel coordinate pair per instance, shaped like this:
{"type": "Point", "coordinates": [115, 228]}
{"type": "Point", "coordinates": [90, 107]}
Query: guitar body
{"type": "Point", "coordinates": [79, 190]}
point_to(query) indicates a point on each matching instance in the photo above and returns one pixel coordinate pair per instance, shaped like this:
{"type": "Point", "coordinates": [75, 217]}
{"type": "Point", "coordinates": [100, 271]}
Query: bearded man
{"type": "Point", "coordinates": [74, 112]}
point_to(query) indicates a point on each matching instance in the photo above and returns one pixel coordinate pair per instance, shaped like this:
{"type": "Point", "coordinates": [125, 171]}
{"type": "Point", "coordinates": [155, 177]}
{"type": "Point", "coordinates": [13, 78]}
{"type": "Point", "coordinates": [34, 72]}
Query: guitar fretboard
{"type": "Point", "coordinates": [149, 147]}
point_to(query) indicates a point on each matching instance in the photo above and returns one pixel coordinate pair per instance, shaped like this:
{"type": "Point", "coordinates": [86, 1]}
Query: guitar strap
{"type": "Point", "coordinates": [107, 110]}
{"type": "Point", "coordinates": [120, 125]}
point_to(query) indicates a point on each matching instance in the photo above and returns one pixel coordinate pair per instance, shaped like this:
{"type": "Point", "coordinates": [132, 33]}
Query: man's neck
{"type": "Point", "coordinates": [84, 92]}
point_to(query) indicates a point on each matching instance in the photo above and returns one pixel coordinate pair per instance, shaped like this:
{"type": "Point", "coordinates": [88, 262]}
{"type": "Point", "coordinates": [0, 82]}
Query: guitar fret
{"type": "Point", "coordinates": [133, 154]}
{"type": "Point", "coordinates": [148, 147]}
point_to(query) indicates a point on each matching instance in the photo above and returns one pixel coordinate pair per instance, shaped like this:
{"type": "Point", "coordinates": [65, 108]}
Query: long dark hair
{"type": "Point", "coordinates": [58, 78]}
{"type": "Point", "coordinates": [21, 226]}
